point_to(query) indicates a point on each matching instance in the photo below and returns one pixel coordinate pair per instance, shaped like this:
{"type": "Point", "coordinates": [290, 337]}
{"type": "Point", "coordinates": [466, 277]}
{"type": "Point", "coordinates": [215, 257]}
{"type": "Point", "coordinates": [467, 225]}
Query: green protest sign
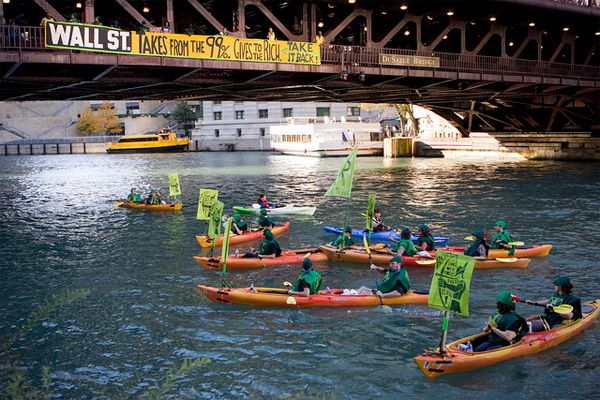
{"type": "Point", "coordinates": [449, 289]}
{"type": "Point", "coordinates": [206, 201]}
{"type": "Point", "coordinates": [370, 212]}
{"type": "Point", "coordinates": [214, 223]}
{"type": "Point", "coordinates": [174, 188]}
{"type": "Point", "coordinates": [342, 186]}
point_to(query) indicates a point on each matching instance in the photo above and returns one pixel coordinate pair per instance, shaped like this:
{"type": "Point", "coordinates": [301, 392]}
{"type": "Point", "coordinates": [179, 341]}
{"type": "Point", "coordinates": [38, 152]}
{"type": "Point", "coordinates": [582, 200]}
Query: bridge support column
{"type": "Point", "coordinates": [88, 12]}
{"type": "Point", "coordinates": [170, 13]}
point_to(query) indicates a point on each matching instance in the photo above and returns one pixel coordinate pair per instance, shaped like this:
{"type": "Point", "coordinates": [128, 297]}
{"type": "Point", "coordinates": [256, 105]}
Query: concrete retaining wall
{"type": "Point", "coordinates": [52, 148]}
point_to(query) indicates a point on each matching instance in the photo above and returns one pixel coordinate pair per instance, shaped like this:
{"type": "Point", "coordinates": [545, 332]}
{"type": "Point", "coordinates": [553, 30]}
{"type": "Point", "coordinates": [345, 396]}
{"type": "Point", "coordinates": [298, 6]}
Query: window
{"type": "Point", "coordinates": [216, 133]}
{"type": "Point", "coordinates": [353, 111]}
{"type": "Point", "coordinates": [323, 111]}
{"type": "Point", "coordinates": [148, 139]}
{"type": "Point", "coordinates": [239, 132]}
{"type": "Point", "coordinates": [216, 103]}
{"type": "Point", "coordinates": [263, 113]}
{"type": "Point", "coordinates": [96, 106]}
{"type": "Point", "coordinates": [262, 131]}
{"type": "Point", "coordinates": [133, 108]}
{"type": "Point", "coordinates": [239, 114]}
{"type": "Point", "coordinates": [288, 112]}
{"type": "Point", "coordinates": [217, 115]}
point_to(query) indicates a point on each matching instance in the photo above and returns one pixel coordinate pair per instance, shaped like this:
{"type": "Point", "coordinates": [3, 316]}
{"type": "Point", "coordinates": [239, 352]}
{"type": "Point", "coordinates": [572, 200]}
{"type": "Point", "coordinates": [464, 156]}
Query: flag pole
{"type": "Point", "coordinates": [444, 333]}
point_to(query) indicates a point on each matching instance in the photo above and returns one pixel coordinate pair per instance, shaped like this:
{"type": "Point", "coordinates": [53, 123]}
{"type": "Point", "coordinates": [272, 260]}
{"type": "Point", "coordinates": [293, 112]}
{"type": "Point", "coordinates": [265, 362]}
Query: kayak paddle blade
{"type": "Point", "coordinates": [290, 300]}
{"type": "Point", "coordinates": [508, 259]}
{"type": "Point", "coordinates": [425, 262]}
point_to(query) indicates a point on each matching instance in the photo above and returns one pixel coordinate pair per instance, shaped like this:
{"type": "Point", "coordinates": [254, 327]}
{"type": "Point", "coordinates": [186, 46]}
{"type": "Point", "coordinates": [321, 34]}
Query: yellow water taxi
{"type": "Point", "coordinates": [161, 142]}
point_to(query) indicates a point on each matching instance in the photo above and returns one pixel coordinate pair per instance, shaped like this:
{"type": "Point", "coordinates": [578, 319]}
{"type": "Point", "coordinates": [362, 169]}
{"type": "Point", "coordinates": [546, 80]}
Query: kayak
{"type": "Point", "coordinates": [205, 241]}
{"type": "Point", "coordinates": [262, 296]}
{"type": "Point", "coordinates": [288, 209]}
{"type": "Point", "coordinates": [383, 236]}
{"type": "Point", "coordinates": [538, 250]}
{"type": "Point", "coordinates": [432, 363]}
{"type": "Point", "coordinates": [156, 207]}
{"type": "Point", "coordinates": [290, 257]}
{"type": "Point", "coordinates": [359, 255]}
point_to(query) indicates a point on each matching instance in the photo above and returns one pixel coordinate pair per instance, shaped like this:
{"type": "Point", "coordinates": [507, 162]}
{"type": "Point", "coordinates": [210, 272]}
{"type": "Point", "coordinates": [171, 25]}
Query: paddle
{"type": "Point", "coordinates": [561, 309]}
{"type": "Point", "coordinates": [368, 249]}
{"type": "Point", "coordinates": [290, 300]}
{"type": "Point", "coordinates": [426, 262]}
{"type": "Point", "coordinates": [118, 203]}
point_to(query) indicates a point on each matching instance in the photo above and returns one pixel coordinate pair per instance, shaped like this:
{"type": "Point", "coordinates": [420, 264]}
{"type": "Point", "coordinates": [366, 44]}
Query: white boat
{"type": "Point", "coordinates": [327, 138]}
{"type": "Point", "coordinates": [288, 209]}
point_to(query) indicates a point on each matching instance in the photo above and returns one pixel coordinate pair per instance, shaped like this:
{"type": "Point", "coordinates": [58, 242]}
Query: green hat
{"type": "Point", "coordinates": [501, 223]}
{"type": "Point", "coordinates": [478, 234]}
{"type": "Point", "coordinates": [562, 281]}
{"type": "Point", "coordinates": [397, 259]}
{"type": "Point", "coordinates": [268, 234]}
{"type": "Point", "coordinates": [348, 229]}
{"type": "Point", "coordinates": [505, 298]}
{"type": "Point", "coordinates": [307, 263]}
{"type": "Point", "coordinates": [424, 228]}
{"type": "Point", "coordinates": [236, 216]}
{"type": "Point", "coordinates": [405, 231]}
{"type": "Point", "coordinates": [263, 211]}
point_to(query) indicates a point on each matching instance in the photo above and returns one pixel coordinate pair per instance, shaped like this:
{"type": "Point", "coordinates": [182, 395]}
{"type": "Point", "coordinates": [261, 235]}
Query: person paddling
{"type": "Point", "coordinates": [238, 225]}
{"type": "Point", "coordinates": [269, 247]}
{"type": "Point", "coordinates": [309, 282]}
{"type": "Point", "coordinates": [405, 245]}
{"type": "Point", "coordinates": [154, 198]}
{"type": "Point", "coordinates": [345, 239]}
{"type": "Point", "coordinates": [378, 225]}
{"type": "Point", "coordinates": [263, 202]}
{"type": "Point", "coordinates": [478, 247]}
{"type": "Point", "coordinates": [505, 327]}
{"type": "Point", "coordinates": [134, 196]}
{"type": "Point", "coordinates": [425, 242]}
{"type": "Point", "coordinates": [396, 281]}
{"type": "Point", "coordinates": [502, 238]}
{"type": "Point", "coordinates": [564, 295]}
{"type": "Point", "coordinates": [265, 222]}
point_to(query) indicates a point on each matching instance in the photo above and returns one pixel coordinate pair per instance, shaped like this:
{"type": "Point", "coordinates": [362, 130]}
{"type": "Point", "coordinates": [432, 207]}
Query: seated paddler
{"type": "Point", "coordinates": [405, 245]}
{"type": "Point", "coordinates": [505, 327]}
{"type": "Point", "coordinates": [425, 242]}
{"type": "Point", "coordinates": [502, 238]}
{"type": "Point", "coordinates": [478, 246]}
{"type": "Point", "coordinates": [269, 247]}
{"type": "Point", "coordinates": [134, 196]}
{"type": "Point", "coordinates": [563, 289]}
{"type": "Point", "coordinates": [265, 222]}
{"type": "Point", "coordinates": [238, 226]}
{"type": "Point", "coordinates": [154, 198]}
{"type": "Point", "coordinates": [395, 283]}
{"type": "Point", "coordinates": [378, 225]}
{"type": "Point", "coordinates": [309, 281]}
{"type": "Point", "coordinates": [263, 202]}
{"type": "Point", "coordinates": [345, 239]}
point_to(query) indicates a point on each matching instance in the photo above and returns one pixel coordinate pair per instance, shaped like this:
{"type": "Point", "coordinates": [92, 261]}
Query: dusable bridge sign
{"type": "Point", "coordinates": [64, 35]}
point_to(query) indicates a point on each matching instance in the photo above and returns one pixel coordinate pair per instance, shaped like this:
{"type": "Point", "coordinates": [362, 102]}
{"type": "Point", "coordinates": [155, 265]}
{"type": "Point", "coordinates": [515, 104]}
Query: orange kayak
{"type": "Point", "coordinates": [205, 241]}
{"type": "Point", "coordinates": [289, 257]}
{"type": "Point", "coordinates": [455, 360]}
{"type": "Point", "coordinates": [156, 207]}
{"type": "Point", "coordinates": [278, 297]}
{"type": "Point", "coordinates": [359, 255]}
{"type": "Point", "coordinates": [538, 250]}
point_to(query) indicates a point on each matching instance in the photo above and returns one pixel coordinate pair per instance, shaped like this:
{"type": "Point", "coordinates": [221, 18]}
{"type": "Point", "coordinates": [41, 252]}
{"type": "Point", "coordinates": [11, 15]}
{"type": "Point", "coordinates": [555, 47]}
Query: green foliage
{"type": "Point", "coordinates": [183, 114]}
{"type": "Point", "coordinates": [172, 375]}
{"type": "Point", "coordinates": [103, 120]}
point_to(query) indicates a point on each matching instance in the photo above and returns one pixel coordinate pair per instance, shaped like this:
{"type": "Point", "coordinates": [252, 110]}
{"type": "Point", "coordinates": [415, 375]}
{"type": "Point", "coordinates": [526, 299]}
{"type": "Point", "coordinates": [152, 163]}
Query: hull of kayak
{"type": "Point", "coordinates": [290, 257]}
{"type": "Point", "coordinates": [205, 241]}
{"type": "Point", "coordinates": [455, 360]}
{"type": "Point", "coordinates": [285, 210]}
{"type": "Point", "coordinates": [541, 250]}
{"type": "Point", "coordinates": [144, 206]}
{"type": "Point", "coordinates": [359, 255]}
{"type": "Point", "coordinates": [275, 297]}
{"type": "Point", "coordinates": [383, 237]}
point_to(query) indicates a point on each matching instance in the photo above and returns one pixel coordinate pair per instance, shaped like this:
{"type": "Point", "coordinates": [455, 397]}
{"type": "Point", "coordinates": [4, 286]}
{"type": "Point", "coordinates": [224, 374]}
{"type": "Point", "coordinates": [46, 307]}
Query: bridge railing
{"type": "Point", "coordinates": [352, 57]}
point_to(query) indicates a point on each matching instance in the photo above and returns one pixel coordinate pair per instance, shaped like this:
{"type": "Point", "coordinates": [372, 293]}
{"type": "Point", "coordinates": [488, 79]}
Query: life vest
{"type": "Point", "coordinates": [312, 277]}
{"type": "Point", "coordinates": [474, 246]}
{"type": "Point", "coordinates": [409, 247]}
{"type": "Point", "coordinates": [505, 321]}
{"type": "Point", "coordinates": [263, 203]}
{"type": "Point", "coordinates": [558, 299]}
{"type": "Point", "coordinates": [429, 240]}
{"type": "Point", "coordinates": [391, 279]}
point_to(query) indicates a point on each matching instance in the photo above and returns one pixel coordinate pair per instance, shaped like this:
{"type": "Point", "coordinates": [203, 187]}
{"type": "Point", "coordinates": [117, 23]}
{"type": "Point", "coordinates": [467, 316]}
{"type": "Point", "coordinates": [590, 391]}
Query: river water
{"type": "Point", "coordinates": [59, 230]}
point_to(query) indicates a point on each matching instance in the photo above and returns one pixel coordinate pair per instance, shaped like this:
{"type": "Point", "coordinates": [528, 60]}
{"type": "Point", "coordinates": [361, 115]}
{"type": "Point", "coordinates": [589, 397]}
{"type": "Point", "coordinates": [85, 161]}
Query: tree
{"type": "Point", "coordinates": [104, 120]}
{"type": "Point", "coordinates": [87, 123]}
{"type": "Point", "coordinates": [184, 115]}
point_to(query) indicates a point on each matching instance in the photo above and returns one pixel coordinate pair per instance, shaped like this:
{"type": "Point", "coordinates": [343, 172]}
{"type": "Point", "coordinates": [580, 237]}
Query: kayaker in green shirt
{"type": "Point", "coordinates": [309, 281]}
{"type": "Point", "coordinates": [264, 221]}
{"type": "Point", "coordinates": [238, 225]}
{"type": "Point", "coordinates": [478, 247]}
{"type": "Point", "coordinates": [396, 281]}
{"type": "Point", "coordinates": [345, 239]}
{"type": "Point", "coordinates": [564, 295]}
{"type": "Point", "coordinates": [405, 245]}
{"type": "Point", "coordinates": [502, 238]}
{"type": "Point", "coordinates": [134, 196]}
{"type": "Point", "coordinates": [425, 241]}
{"type": "Point", "coordinates": [154, 198]}
{"type": "Point", "coordinates": [269, 247]}
{"type": "Point", "coordinates": [505, 326]}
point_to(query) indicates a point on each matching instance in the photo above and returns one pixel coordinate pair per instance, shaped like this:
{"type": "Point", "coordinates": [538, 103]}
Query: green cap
{"type": "Point", "coordinates": [505, 298]}
{"type": "Point", "coordinates": [397, 259]}
{"type": "Point", "coordinates": [237, 217]}
{"type": "Point", "coordinates": [307, 263]}
{"type": "Point", "coordinates": [562, 281]}
{"type": "Point", "coordinates": [424, 228]}
{"type": "Point", "coordinates": [405, 231]}
{"type": "Point", "coordinates": [348, 229]}
{"type": "Point", "coordinates": [501, 223]}
{"type": "Point", "coordinates": [263, 211]}
{"type": "Point", "coordinates": [478, 234]}
{"type": "Point", "coordinates": [268, 234]}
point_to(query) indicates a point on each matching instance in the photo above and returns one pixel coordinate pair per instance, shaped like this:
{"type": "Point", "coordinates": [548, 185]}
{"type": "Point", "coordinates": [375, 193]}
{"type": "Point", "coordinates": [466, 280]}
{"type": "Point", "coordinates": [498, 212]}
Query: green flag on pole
{"type": "Point", "coordinates": [342, 186]}
{"type": "Point", "coordinates": [214, 223]}
{"type": "Point", "coordinates": [449, 289]}
{"type": "Point", "coordinates": [174, 188]}
{"type": "Point", "coordinates": [370, 212]}
{"type": "Point", "coordinates": [225, 245]}
{"type": "Point", "coordinates": [206, 200]}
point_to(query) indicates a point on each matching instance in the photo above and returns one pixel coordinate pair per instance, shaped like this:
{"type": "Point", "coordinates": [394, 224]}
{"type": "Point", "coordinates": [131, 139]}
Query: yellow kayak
{"type": "Point", "coordinates": [157, 207]}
